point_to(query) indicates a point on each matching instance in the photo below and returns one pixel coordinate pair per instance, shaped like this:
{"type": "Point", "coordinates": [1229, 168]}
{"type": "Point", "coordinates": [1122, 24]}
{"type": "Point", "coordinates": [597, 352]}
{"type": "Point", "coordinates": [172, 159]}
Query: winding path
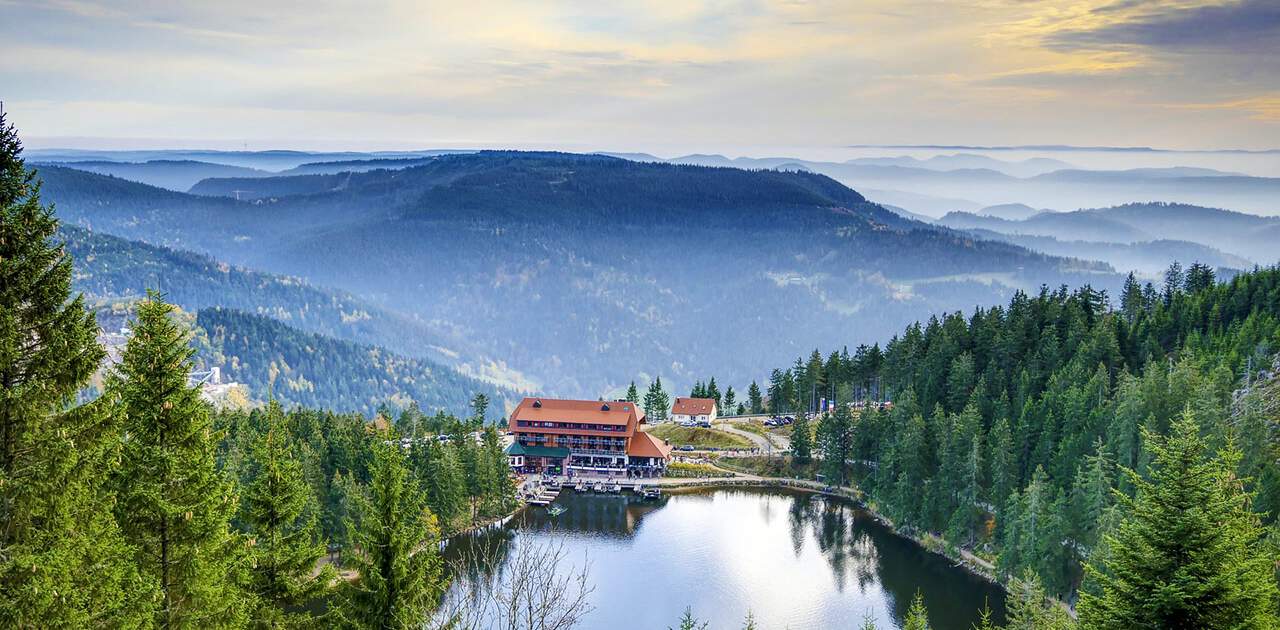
{"type": "Point", "coordinates": [767, 444]}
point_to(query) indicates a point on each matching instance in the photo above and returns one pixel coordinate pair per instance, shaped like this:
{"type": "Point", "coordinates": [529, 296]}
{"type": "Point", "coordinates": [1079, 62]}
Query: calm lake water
{"type": "Point", "coordinates": [795, 560]}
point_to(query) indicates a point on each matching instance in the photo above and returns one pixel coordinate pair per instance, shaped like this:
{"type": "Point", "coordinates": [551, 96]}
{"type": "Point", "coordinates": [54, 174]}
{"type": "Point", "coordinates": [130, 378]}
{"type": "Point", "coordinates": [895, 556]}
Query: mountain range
{"type": "Point", "coordinates": [1248, 239]}
{"type": "Point", "coordinates": [932, 186]}
{"type": "Point", "coordinates": [575, 274]}
{"type": "Point", "coordinates": [934, 190]}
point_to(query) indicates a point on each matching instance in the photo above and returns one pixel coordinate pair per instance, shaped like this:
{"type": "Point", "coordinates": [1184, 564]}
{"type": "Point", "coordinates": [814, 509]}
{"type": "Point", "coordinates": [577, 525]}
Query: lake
{"type": "Point", "coordinates": [794, 559]}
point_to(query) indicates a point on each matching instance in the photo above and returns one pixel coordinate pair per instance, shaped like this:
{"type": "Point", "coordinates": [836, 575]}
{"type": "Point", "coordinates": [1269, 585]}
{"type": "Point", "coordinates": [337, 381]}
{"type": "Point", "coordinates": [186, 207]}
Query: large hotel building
{"type": "Point", "coordinates": [580, 436]}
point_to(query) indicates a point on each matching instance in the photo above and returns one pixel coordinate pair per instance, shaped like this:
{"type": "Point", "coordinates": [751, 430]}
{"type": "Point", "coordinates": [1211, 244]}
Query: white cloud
{"type": "Point", "coordinates": [712, 74]}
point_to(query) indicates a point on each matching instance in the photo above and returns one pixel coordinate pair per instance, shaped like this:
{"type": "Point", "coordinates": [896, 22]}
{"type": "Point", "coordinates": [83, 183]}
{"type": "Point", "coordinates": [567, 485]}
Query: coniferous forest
{"type": "Point", "coordinates": [1119, 453]}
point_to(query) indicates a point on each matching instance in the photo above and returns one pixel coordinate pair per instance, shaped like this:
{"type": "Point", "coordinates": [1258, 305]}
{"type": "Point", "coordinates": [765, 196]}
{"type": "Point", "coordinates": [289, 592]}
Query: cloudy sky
{"type": "Point", "coordinates": [642, 75]}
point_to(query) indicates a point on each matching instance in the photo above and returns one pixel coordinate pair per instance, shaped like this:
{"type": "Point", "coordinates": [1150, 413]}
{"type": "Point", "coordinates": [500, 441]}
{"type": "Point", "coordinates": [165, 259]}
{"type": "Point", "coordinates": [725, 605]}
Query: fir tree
{"type": "Point", "coordinates": [1189, 552]}
{"type": "Point", "coordinates": [174, 503]}
{"type": "Point", "coordinates": [63, 560]}
{"type": "Point", "coordinates": [834, 442]}
{"type": "Point", "coordinates": [633, 395]}
{"type": "Point", "coordinates": [280, 513]}
{"type": "Point", "coordinates": [410, 421]}
{"type": "Point", "coordinates": [656, 402]}
{"type": "Point", "coordinates": [394, 552]}
{"type": "Point", "coordinates": [446, 490]}
{"type": "Point", "coordinates": [917, 617]}
{"type": "Point", "coordinates": [479, 406]}
{"type": "Point", "coordinates": [1131, 301]}
{"type": "Point", "coordinates": [1199, 277]}
{"type": "Point", "coordinates": [754, 399]}
{"type": "Point", "coordinates": [698, 390]}
{"type": "Point", "coordinates": [730, 400]}
{"type": "Point", "coordinates": [1030, 609]}
{"type": "Point", "coordinates": [801, 440]}
{"type": "Point", "coordinates": [1091, 497]}
{"type": "Point", "coordinates": [689, 622]}
{"type": "Point", "coordinates": [1173, 282]}
{"type": "Point", "coordinates": [497, 495]}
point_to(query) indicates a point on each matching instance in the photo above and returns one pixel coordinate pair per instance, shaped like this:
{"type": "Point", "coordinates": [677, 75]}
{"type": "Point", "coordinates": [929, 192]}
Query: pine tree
{"type": "Point", "coordinates": [1091, 496]}
{"type": "Point", "coordinates": [754, 399]}
{"type": "Point", "coordinates": [730, 401]}
{"type": "Point", "coordinates": [917, 617]}
{"type": "Point", "coordinates": [689, 622]}
{"type": "Point", "coordinates": [479, 406]}
{"type": "Point", "coordinates": [801, 440]}
{"type": "Point", "coordinates": [446, 490]}
{"type": "Point", "coordinates": [400, 573]}
{"type": "Point", "coordinates": [1173, 282]}
{"type": "Point", "coordinates": [280, 513]}
{"type": "Point", "coordinates": [1199, 277]}
{"type": "Point", "coordinates": [174, 503]}
{"type": "Point", "coordinates": [344, 493]}
{"type": "Point", "coordinates": [1030, 609]}
{"type": "Point", "coordinates": [63, 560]}
{"type": "Point", "coordinates": [497, 495]}
{"type": "Point", "coordinates": [1189, 552]}
{"type": "Point", "coordinates": [410, 421]}
{"type": "Point", "coordinates": [656, 402]}
{"type": "Point", "coordinates": [1131, 301]}
{"type": "Point", "coordinates": [835, 442]}
{"type": "Point", "coordinates": [633, 395]}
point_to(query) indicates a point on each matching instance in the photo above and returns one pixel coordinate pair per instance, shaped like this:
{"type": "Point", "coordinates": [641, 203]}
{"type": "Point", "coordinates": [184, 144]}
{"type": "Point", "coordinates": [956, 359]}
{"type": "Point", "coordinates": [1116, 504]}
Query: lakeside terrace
{"type": "Point", "coordinates": [560, 436]}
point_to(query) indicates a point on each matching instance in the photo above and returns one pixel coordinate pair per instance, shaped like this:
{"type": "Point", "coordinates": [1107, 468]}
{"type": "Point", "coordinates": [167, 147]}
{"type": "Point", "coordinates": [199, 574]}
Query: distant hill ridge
{"type": "Point", "coordinates": [583, 272]}
{"type": "Point", "coordinates": [1246, 235]}
{"type": "Point", "coordinates": [311, 370]}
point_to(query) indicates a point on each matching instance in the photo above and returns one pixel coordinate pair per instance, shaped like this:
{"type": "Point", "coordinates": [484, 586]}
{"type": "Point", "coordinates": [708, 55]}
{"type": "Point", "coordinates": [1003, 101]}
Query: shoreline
{"type": "Point", "coordinates": [968, 562]}
{"type": "Point", "coordinates": [935, 545]}
{"type": "Point", "coordinates": [477, 528]}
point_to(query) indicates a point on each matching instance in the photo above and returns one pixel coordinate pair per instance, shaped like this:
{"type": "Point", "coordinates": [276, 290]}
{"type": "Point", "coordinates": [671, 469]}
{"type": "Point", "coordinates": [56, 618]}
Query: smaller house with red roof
{"type": "Point", "coordinates": [583, 436]}
{"type": "Point", "coordinates": [693, 410]}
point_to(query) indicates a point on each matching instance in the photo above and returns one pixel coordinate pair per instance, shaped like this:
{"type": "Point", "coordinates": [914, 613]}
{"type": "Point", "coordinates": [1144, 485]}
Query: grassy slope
{"type": "Point", "coordinates": [699, 437]}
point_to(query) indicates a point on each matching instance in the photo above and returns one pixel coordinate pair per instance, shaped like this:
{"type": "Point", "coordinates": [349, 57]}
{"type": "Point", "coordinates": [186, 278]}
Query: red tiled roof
{"type": "Point", "coordinates": [693, 406]}
{"type": "Point", "coordinates": [582, 411]}
{"type": "Point", "coordinates": [645, 445]}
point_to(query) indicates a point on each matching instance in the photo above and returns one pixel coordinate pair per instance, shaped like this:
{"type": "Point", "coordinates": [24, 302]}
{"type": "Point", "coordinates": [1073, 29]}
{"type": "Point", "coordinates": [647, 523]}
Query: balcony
{"type": "Point", "coordinates": [596, 451]}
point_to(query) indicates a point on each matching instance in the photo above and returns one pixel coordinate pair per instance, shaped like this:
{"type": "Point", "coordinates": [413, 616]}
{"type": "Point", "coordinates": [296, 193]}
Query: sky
{"type": "Point", "coordinates": [637, 75]}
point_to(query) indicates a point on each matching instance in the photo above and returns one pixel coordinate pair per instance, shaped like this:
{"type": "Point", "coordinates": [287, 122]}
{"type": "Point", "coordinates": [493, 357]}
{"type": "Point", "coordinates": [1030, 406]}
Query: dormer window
{"type": "Point", "coordinates": [537, 404]}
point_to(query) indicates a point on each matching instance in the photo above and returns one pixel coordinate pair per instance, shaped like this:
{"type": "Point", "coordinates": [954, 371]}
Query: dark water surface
{"type": "Point", "coordinates": [795, 560]}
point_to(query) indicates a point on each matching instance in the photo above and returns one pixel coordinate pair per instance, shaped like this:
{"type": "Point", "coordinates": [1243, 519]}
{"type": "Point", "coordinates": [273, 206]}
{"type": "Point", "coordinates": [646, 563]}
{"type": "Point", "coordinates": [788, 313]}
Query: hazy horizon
{"type": "Point", "coordinates": [1177, 74]}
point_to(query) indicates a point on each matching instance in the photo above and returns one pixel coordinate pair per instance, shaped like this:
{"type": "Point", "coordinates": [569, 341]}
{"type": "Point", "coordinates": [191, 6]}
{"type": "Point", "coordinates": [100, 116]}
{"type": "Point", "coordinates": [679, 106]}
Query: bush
{"type": "Point", "coordinates": [695, 471]}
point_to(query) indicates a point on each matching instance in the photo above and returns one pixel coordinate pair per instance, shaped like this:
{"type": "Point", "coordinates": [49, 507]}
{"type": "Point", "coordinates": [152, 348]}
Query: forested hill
{"type": "Point", "coordinates": [585, 272]}
{"type": "Point", "coordinates": [310, 370]}
{"type": "Point", "coordinates": [177, 175]}
{"type": "Point", "coordinates": [1008, 427]}
{"type": "Point", "coordinates": [111, 270]}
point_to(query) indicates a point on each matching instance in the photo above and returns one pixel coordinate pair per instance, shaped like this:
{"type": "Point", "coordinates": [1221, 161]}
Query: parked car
{"type": "Point", "coordinates": [686, 447]}
{"type": "Point", "coordinates": [705, 425]}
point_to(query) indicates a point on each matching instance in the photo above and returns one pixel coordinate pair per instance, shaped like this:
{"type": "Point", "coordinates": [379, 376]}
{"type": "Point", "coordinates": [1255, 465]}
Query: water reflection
{"type": "Point", "coordinates": [724, 552]}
